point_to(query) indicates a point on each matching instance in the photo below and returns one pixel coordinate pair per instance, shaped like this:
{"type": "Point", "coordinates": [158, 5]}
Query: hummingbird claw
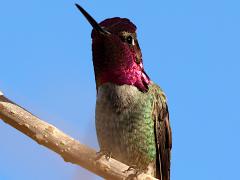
{"type": "Point", "coordinates": [130, 168]}
{"type": "Point", "coordinates": [136, 171]}
{"type": "Point", "coordinates": [107, 154]}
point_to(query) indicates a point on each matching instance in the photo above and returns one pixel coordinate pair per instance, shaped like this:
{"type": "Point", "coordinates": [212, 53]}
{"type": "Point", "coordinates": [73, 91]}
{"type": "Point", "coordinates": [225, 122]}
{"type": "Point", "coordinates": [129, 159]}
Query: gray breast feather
{"type": "Point", "coordinates": [119, 96]}
{"type": "Point", "coordinates": [113, 110]}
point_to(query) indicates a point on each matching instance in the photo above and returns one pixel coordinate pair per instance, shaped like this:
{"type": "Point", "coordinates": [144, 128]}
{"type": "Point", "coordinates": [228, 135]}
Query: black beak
{"type": "Point", "coordinates": [90, 19]}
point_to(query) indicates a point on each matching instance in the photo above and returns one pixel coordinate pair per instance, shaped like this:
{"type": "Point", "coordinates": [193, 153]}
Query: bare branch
{"type": "Point", "coordinates": [70, 150]}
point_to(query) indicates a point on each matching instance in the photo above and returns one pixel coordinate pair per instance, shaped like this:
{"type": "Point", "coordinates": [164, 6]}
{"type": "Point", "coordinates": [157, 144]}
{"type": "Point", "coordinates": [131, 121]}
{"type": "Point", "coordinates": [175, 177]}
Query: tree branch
{"type": "Point", "coordinates": [70, 150]}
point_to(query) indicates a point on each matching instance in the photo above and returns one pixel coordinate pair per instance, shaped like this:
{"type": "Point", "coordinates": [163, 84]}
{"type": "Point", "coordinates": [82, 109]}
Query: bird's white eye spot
{"type": "Point", "coordinates": [130, 40]}
{"type": "Point", "coordinates": [133, 42]}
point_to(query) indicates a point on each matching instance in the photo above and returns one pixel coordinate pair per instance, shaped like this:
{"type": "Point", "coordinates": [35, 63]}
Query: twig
{"type": "Point", "coordinates": [70, 150]}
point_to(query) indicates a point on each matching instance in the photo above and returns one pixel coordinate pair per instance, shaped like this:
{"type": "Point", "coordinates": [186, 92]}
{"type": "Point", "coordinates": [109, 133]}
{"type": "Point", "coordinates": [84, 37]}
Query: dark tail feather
{"type": "Point", "coordinates": [163, 167]}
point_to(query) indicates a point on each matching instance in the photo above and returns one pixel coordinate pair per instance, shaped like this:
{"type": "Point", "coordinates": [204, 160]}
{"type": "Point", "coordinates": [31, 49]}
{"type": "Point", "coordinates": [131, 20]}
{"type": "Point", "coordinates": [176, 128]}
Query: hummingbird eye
{"type": "Point", "coordinates": [130, 40]}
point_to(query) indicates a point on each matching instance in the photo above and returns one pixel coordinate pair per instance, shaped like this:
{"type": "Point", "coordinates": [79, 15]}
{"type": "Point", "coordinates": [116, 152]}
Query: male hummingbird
{"type": "Point", "coordinates": [132, 119]}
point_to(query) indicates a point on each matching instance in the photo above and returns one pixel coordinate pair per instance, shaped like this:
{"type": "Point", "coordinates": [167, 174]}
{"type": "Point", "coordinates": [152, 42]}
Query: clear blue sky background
{"type": "Point", "coordinates": [190, 48]}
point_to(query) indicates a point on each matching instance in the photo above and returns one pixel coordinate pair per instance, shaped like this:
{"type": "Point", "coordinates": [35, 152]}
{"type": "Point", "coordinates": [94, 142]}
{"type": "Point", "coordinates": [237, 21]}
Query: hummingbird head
{"type": "Point", "coordinates": [117, 57]}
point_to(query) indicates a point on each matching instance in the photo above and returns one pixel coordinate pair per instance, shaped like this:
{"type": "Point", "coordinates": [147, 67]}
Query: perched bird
{"type": "Point", "coordinates": [132, 119]}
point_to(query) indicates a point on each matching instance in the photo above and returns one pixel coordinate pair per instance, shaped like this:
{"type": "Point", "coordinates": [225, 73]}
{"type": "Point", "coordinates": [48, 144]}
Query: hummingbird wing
{"type": "Point", "coordinates": [163, 136]}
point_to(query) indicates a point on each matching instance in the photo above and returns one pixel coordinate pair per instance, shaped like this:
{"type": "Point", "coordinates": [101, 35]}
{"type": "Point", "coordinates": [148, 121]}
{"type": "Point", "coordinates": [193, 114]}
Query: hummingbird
{"type": "Point", "coordinates": [131, 116]}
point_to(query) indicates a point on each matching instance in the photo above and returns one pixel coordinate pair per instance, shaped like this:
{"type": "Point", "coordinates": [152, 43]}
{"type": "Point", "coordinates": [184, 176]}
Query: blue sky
{"type": "Point", "coordinates": [190, 48]}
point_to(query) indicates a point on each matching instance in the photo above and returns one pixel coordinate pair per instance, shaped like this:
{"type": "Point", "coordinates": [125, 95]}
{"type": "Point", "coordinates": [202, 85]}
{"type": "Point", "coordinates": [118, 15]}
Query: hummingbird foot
{"type": "Point", "coordinates": [130, 168]}
{"type": "Point", "coordinates": [136, 172]}
{"type": "Point", "coordinates": [107, 154]}
{"type": "Point", "coordinates": [134, 168]}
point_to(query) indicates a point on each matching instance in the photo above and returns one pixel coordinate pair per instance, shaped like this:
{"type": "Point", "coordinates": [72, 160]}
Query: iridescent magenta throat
{"type": "Point", "coordinates": [134, 76]}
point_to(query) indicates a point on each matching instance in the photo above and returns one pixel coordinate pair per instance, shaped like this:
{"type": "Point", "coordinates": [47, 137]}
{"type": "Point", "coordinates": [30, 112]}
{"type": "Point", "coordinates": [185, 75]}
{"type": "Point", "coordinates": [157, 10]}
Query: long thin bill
{"type": "Point", "coordinates": [92, 21]}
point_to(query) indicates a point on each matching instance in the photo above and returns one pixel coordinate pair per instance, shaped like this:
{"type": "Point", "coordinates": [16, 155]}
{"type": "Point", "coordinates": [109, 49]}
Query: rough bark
{"type": "Point", "coordinates": [68, 148]}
